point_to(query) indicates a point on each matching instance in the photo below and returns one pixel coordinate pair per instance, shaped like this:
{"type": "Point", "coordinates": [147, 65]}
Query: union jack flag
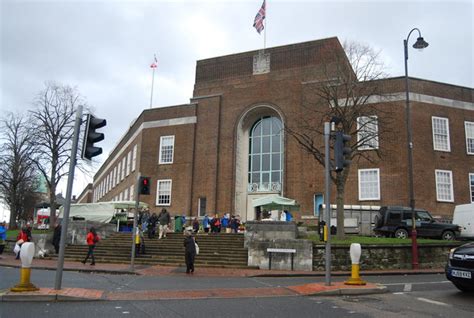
{"type": "Point", "coordinates": [155, 63]}
{"type": "Point", "coordinates": [258, 22]}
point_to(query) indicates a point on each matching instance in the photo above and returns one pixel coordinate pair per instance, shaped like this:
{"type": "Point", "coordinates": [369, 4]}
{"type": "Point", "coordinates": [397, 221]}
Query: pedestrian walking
{"type": "Point", "coordinates": [189, 250]}
{"type": "Point", "coordinates": [152, 225]}
{"type": "Point", "coordinates": [206, 223]}
{"type": "Point", "coordinates": [23, 236]}
{"type": "Point", "coordinates": [92, 239]}
{"type": "Point", "coordinates": [57, 237]}
{"type": "Point", "coordinates": [164, 221]}
{"type": "Point", "coordinates": [196, 225]}
{"type": "Point", "coordinates": [139, 240]}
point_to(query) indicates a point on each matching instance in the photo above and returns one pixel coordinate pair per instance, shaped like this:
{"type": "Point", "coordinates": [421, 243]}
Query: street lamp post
{"type": "Point", "coordinates": [420, 44]}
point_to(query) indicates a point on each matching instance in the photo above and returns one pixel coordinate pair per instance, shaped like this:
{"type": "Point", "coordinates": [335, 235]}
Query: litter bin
{"type": "Point", "coordinates": [178, 224]}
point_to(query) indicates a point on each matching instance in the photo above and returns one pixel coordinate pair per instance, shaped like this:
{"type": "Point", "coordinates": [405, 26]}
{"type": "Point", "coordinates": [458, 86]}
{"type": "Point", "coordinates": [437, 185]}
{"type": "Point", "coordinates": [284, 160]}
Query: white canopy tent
{"type": "Point", "coordinates": [275, 202]}
{"type": "Point", "coordinates": [100, 212]}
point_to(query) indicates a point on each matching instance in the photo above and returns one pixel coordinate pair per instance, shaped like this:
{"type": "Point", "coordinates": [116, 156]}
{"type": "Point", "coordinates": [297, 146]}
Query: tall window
{"type": "Point", "coordinates": [444, 185]}
{"type": "Point", "coordinates": [367, 132]}
{"type": "Point", "coordinates": [132, 193]}
{"type": "Point", "coordinates": [369, 184]}
{"type": "Point", "coordinates": [119, 172]}
{"type": "Point", "coordinates": [163, 192]}
{"type": "Point", "coordinates": [134, 159]}
{"type": "Point", "coordinates": [441, 134]}
{"type": "Point", "coordinates": [122, 174]}
{"type": "Point", "coordinates": [129, 162]}
{"type": "Point", "coordinates": [471, 186]}
{"type": "Point", "coordinates": [166, 149]}
{"type": "Point", "coordinates": [469, 127]}
{"type": "Point", "coordinates": [114, 183]}
{"type": "Point", "coordinates": [265, 155]}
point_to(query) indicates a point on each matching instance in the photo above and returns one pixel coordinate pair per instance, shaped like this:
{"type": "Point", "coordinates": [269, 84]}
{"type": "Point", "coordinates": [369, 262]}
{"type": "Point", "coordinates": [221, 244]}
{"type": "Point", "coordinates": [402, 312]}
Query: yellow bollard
{"type": "Point", "coordinates": [325, 233]}
{"type": "Point", "coordinates": [355, 252]}
{"type": "Point", "coordinates": [26, 254]}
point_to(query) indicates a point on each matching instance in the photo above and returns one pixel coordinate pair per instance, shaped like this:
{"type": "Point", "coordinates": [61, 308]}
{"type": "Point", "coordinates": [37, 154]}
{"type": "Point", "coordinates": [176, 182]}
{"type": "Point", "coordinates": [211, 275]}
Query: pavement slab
{"type": "Point", "coordinates": [82, 294]}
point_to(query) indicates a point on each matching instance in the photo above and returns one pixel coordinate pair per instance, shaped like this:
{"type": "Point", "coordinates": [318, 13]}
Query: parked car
{"type": "Point", "coordinates": [396, 221]}
{"type": "Point", "coordinates": [460, 267]}
{"type": "Point", "coordinates": [464, 217]}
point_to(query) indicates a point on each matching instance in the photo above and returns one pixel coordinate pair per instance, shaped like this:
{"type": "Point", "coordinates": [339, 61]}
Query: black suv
{"type": "Point", "coordinates": [397, 221]}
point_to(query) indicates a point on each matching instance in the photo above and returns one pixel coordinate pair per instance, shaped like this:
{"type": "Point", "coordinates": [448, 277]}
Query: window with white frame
{"type": "Point", "coordinates": [132, 194]}
{"type": "Point", "coordinates": [119, 172]}
{"type": "Point", "coordinates": [471, 186]}
{"type": "Point", "coordinates": [125, 194]}
{"type": "Point", "coordinates": [114, 177]}
{"type": "Point", "coordinates": [134, 159]}
{"type": "Point", "coordinates": [163, 192]}
{"type": "Point", "coordinates": [440, 134]}
{"type": "Point", "coordinates": [129, 162]}
{"type": "Point", "coordinates": [122, 174]}
{"type": "Point", "coordinates": [369, 184]}
{"type": "Point", "coordinates": [166, 149]}
{"type": "Point", "coordinates": [444, 185]}
{"type": "Point", "coordinates": [469, 128]}
{"type": "Point", "coordinates": [367, 132]}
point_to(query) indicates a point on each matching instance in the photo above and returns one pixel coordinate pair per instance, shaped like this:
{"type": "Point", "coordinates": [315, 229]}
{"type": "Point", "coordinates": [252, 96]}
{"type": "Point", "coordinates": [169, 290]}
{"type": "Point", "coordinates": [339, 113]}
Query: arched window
{"type": "Point", "coordinates": [265, 155]}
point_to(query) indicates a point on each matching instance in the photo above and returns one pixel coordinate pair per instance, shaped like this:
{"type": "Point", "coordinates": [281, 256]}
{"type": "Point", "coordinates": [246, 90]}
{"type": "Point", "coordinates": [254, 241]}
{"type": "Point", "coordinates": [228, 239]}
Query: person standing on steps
{"type": "Point", "coordinates": [92, 239]}
{"type": "Point", "coordinates": [164, 220]}
{"type": "Point", "coordinates": [57, 237]}
{"type": "Point", "coordinates": [189, 250]}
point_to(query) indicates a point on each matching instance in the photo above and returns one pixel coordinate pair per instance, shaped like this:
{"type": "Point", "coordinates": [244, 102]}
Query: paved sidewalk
{"type": "Point", "coordinates": [81, 294]}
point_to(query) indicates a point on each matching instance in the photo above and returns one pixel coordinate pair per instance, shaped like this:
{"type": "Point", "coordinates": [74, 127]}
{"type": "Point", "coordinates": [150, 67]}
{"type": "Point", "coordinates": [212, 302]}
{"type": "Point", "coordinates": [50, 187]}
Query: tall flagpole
{"type": "Point", "coordinates": [152, 83]}
{"type": "Point", "coordinates": [265, 28]}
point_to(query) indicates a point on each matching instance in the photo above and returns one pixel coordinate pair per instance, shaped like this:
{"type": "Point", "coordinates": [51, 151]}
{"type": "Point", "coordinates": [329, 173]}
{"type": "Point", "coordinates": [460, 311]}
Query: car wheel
{"type": "Point", "coordinates": [448, 235]}
{"type": "Point", "coordinates": [401, 233]}
{"type": "Point", "coordinates": [463, 289]}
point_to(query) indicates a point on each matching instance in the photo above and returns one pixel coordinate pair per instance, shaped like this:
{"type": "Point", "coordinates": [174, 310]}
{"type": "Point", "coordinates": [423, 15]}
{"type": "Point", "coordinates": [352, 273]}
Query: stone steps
{"type": "Point", "coordinates": [216, 250]}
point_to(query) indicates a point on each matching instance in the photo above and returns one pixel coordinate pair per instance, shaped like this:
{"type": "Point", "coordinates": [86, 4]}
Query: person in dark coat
{"type": "Point", "coordinates": [189, 251]}
{"type": "Point", "coordinates": [57, 237]}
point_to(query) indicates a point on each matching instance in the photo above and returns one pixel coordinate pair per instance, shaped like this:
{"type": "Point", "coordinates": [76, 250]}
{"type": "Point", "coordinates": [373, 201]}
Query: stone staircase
{"type": "Point", "coordinates": [215, 250]}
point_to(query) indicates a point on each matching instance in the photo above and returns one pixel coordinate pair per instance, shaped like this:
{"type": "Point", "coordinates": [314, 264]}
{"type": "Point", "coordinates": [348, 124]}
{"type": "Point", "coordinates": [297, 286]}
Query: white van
{"type": "Point", "coordinates": [464, 217]}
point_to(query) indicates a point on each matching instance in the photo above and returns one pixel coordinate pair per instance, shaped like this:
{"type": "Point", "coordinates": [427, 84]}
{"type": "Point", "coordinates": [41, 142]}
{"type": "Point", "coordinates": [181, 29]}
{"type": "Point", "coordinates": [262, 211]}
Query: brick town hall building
{"type": "Point", "coordinates": [228, 146]}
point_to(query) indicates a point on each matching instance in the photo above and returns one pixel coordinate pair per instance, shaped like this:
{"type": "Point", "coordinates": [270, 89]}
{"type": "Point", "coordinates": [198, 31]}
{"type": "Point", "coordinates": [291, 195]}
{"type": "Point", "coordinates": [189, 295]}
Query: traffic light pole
{"type": "Point", "coordinates": [327, 179]}
{"type": "Point", "coordinates": [134, 229]}
{"type": "Point", "coordinates": [67, 204]}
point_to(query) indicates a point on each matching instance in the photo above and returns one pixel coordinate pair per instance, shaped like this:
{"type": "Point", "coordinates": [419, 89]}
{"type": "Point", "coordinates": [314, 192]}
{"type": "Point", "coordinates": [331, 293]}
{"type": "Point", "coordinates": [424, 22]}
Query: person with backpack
{"type": "Point", "coordinates": [92, 239]}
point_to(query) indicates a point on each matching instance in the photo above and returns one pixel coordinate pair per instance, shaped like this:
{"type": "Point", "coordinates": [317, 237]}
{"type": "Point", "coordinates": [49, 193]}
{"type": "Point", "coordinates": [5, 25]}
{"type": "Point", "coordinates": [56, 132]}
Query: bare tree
{"type": "Point", "coordinates": [351, 92]}
{"type": "Point", "coordinates": [18, 181]}
{"type": "Point", "coordinates": [53, 132]}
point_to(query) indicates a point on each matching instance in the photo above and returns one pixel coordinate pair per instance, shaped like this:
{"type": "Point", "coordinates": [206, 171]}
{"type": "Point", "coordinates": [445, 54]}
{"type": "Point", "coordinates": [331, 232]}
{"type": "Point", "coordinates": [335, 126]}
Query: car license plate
{"type": "Point", "coordinates": [461, 274]}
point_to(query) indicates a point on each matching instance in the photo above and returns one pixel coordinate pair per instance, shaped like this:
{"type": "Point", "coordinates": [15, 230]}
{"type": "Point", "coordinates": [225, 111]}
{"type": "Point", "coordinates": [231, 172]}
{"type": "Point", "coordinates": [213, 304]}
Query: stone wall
{"type": "Point", "coordinates": [380, 257]}
{"type": "Point", "coordinates": [302, 259]}
{"type": "Point", "coordinates": [77, 231]}
{"type": "Point", "coordinates": [269, 230]}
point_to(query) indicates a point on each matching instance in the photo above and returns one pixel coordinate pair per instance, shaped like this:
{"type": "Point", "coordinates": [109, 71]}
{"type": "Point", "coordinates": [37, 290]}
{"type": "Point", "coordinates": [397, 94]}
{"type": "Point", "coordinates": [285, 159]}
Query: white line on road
{"type": "Point", "coordinates": [421, 283]}
{"type": "Point", "coordinates": [434, 302]}
{"type": "Point", "coordinates": [407, 288]}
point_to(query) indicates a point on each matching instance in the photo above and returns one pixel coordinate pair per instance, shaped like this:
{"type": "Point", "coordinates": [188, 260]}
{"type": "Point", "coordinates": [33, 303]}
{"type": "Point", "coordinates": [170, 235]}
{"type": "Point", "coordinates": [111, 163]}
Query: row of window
{"type": "Point", "coordinates": [367, 136]}
{"type": "Point", "coordinates": [369, 185]}
{"type": "Point", "coordinates": [163, 193]}
{"type": "Point", "coordinates": [117, 174]}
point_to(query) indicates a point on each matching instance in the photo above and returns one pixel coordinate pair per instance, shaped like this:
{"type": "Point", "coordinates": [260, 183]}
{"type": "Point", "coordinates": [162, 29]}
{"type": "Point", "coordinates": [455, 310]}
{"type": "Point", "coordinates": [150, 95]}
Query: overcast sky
{"type": "Point", "coordinates": [105, 47]}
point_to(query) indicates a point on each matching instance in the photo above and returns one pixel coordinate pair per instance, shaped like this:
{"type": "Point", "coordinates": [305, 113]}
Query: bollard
{"type": "Point", "coordinates": [26, 255]}
{"type": "Point", "coordinates": [355, 252]}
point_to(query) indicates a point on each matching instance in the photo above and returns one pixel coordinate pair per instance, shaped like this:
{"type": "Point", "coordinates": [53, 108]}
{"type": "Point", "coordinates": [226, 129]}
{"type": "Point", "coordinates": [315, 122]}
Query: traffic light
{"type": "Point", "coordinates": [342, 151]}
{"type": "Point", "coordinates": [144, 185]}
{"type": "Point", "coordinates": [91, 137]}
